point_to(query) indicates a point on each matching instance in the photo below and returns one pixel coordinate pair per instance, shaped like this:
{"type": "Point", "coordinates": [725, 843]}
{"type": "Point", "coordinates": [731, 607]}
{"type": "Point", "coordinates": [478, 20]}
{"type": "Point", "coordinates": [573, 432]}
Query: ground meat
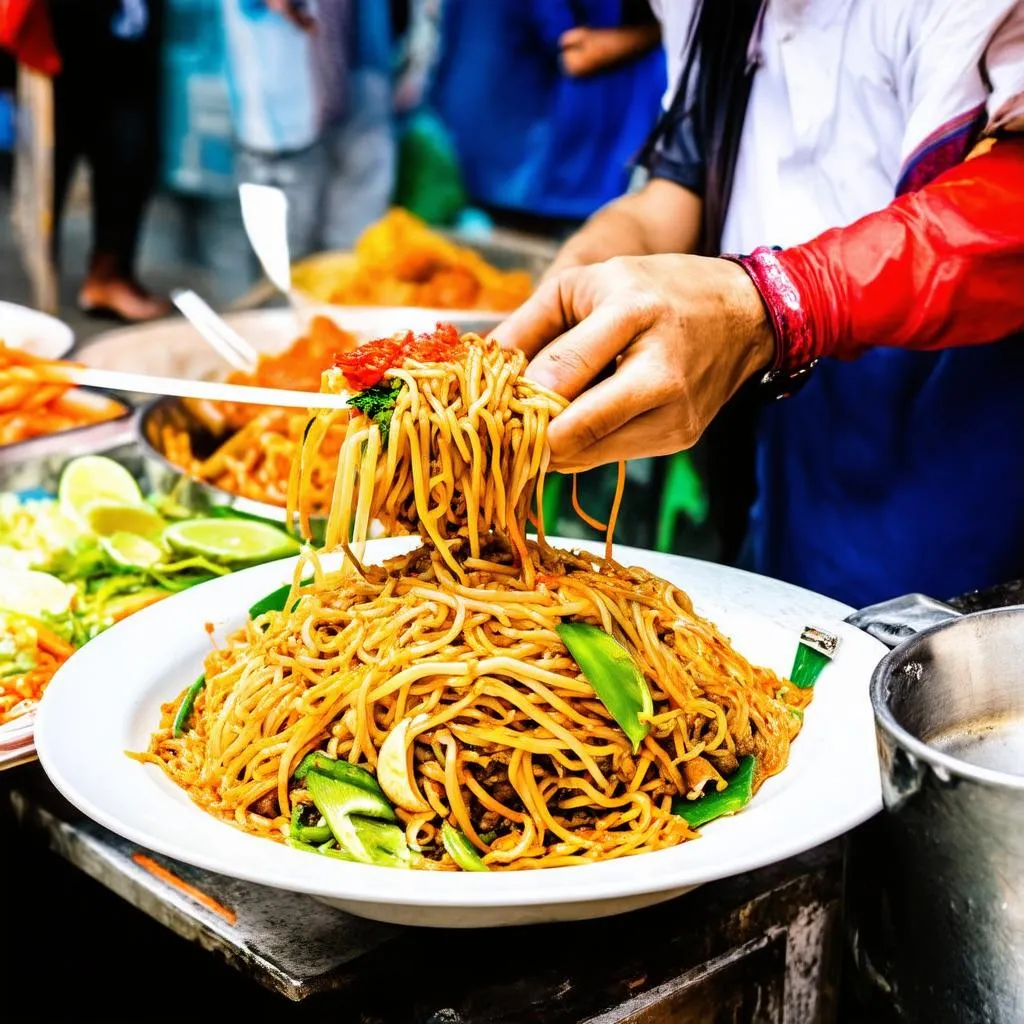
{"type": "Point", "coordinates": [267, 806]}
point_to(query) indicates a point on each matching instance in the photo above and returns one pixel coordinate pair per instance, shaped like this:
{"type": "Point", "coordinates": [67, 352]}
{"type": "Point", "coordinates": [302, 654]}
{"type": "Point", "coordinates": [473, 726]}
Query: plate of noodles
{"type": "Point", "coordinates": [386, 721]}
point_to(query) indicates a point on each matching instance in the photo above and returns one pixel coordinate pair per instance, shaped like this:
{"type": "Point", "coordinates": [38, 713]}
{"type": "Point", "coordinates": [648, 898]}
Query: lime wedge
{"type": "Point", "coordinates": [132, 551]}
{"type": "Point", "coordinates": [105, 518]}
{"type": "Point", "coordinates": [28, 592]}
{"type": "Point", "coordinates": [230, 540]}
{"type": "Point", "coordinates": [92, 478]}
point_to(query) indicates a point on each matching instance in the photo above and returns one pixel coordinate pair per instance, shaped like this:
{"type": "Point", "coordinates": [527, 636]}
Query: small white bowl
{"type": "Point", "coordinates": [39, 333]}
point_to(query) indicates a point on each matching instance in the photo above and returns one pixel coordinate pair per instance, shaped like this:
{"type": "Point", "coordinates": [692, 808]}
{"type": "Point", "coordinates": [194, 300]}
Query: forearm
{"type": "Point", "coordinates": [660, 218]}
{"type": "Point", "coordinates": [939, 268]}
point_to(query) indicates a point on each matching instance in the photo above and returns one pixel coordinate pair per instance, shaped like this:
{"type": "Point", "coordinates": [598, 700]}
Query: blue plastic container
{"type": "Point", "coordinates": [198, 145]}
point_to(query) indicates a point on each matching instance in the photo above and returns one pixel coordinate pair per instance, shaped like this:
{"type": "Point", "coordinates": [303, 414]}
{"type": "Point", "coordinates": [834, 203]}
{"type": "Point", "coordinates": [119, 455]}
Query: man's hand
{"type": "Point", "coordinates": [682, 332]}
{"type": "Point", "coordinates": [586, 51]}
{"type": "Point", "coordinates": [297, 13]}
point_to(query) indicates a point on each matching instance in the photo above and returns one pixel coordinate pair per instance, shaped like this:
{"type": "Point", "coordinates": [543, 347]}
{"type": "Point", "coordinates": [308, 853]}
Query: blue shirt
{"type": "Point", "coordinates": [529, 137]}
{"type": "Point", "coordinates": [899, 472]}
{"type": "Point", "coordinates": [896, 473]}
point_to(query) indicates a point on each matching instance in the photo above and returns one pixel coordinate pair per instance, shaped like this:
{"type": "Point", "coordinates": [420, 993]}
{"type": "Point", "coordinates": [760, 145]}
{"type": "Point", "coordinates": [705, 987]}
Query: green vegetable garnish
{"type": "Point", "coordinates": [815, 650]}
{"type": "Point", "coordinates": [736, 795]}
{"type": "Point", "coordinates": [342, 771]}
{"type": "Point", "coordinates": [315, 834]}
{"type": "Point", "coordinates": [274, 601]}
{"type": "Point", "coordinates": [299, 844]}
{"type": "Point", "coordinates": [185, 708]}
{"type": "Point", "coordinates": [461, 850]}
{"type": "Point", "coordinates": [350, 812]}
{"type": "Point", "coordinates": [378, 404]}
{"type": "Point", "coordinates": [613, 674]}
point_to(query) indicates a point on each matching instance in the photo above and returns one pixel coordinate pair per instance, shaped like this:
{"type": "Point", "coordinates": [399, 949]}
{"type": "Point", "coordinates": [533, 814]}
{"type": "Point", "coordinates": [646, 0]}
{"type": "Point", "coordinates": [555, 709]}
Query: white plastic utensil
{"type": "Point", "coordinates": [223, 338]}
{"type": "Point", "coordinates": [213, 391]}
{"type": "Point", "coordinates": [265, 216]}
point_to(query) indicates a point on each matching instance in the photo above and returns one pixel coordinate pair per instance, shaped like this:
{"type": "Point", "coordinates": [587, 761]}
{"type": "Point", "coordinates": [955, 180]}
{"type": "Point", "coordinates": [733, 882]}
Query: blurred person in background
{"type": "Point", "coordinates": [106, 82]}
{"type": "Point", "coordinates": [554, 105]}
{"type": "Point", "coordinates": [866, 258]}
{"type": "Point", "coordinates": [314, 99]}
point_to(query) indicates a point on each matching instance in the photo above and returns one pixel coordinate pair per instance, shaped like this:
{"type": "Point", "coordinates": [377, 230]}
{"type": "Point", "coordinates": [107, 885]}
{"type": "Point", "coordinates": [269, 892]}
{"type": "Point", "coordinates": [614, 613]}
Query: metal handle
{"type": "Point", "coordinates": [900, 618]}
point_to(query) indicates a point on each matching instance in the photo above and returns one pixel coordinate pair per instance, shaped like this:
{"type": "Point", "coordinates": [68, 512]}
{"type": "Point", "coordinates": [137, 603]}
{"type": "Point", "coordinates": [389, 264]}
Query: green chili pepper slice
{"type": "Point", "coordinates": [185, 708]}
{"type": "Point", "coordinates": [736, 795]}
{"type": "Point", "coordinates": [613, 674]}
{"type": "Point", "coordinates": [461, 850]}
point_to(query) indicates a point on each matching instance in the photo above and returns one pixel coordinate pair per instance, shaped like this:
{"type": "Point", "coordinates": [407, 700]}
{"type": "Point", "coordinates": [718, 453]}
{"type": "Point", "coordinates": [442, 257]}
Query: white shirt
{"type": "Point", "coordinates": [848, 94]}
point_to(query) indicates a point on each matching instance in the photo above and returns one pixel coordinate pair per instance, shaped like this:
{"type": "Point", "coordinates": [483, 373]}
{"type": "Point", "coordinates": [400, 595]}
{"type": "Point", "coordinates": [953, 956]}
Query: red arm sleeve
{"type": "Point", "coordinates": [937, 268]}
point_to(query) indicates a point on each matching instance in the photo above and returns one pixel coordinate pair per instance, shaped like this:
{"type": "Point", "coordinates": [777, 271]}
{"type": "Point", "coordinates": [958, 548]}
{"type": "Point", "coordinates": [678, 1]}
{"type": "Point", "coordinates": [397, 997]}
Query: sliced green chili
{"type": "Point", "coordinates": [185, 708]}
{"type": "Point", "coordinates": [736, 795]}
{"type": "Point", "coordinates": [613, 674]}
{"type": "Point", "coordinates": [340, 769]}
{"type": "Point", "coordinates": [461, 850]}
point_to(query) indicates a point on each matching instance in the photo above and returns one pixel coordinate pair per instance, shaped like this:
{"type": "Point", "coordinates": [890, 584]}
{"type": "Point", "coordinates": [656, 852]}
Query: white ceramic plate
{"type": "Point", "coordinates": [172, 348]}
{"type": "Point", "coordinates": [35, 332]}
{"type": "Point", "coordinates": [106, 700]}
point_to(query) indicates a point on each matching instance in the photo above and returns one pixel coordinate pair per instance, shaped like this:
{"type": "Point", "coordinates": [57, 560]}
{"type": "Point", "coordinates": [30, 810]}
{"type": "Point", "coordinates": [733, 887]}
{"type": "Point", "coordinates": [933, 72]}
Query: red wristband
{"type": "Point", "coordinates": [794, 345]}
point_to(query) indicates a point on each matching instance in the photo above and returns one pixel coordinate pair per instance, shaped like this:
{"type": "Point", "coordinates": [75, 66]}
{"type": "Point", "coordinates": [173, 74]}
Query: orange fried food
{"type": "Point", "coordinates": [32, 404]}
{"type": "Point", "coordinates": [401, 261]}
{"type": "Point", "coordinates": [260, 443]}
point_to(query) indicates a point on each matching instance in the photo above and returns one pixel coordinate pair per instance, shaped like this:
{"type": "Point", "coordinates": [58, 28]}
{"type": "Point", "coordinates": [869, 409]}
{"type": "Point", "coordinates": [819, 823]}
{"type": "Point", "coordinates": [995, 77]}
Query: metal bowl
{"type": "Point", "coordinates": [166, 479]}
{"type": "Point", "coordinates": [37, 463]}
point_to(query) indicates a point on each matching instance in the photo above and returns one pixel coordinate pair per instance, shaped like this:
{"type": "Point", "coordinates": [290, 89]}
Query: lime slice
{"type": "Point", "coordinates": [93, 478]}
{"type": "Point", "coordinates": [105, 518]}
{"type": "Point", "coordinates": [133, 551]}
{"type": "Point", "coordinates": [230, 540]}
{"type": "Point", "coordinates": [28, 592]}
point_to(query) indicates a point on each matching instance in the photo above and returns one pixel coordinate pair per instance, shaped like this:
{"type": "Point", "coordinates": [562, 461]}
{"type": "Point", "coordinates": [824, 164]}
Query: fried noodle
{"type": "Point", "coordinates": [506, 739]}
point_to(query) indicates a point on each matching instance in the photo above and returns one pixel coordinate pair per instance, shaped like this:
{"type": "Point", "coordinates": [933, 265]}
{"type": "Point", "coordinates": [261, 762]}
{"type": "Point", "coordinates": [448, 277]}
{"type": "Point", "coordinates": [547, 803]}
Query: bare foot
{"type": "Point", "coordinates": [121, 299]}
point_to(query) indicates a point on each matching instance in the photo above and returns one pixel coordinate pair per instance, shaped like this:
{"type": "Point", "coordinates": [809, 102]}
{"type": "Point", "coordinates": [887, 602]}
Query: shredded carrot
{"type": "Point", "coordinates": [165, 875]}
{"type": "Point", "coordinates": [144, 601]}
{"type": "Point", "coordinates": [53, 644]}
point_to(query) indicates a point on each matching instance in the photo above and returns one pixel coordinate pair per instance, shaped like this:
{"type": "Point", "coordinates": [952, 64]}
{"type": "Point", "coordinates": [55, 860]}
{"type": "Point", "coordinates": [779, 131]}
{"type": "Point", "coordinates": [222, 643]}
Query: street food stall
{"type": "Point", "coordinates": [508, 775]}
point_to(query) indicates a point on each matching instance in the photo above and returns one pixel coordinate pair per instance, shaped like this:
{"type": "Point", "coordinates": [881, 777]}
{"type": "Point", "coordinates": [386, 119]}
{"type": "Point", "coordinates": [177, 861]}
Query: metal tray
{"type": "Point", "coordinates": [166, 479]}
{"type": "Point", "coordinates": [36, 464]}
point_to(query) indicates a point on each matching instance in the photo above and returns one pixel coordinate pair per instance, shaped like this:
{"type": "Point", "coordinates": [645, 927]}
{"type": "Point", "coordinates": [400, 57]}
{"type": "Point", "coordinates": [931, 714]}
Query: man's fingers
{"type": "Point", "coordinates": [571, 363]}
{"type": "Point", "coordinates": [539, 320]}
{"type": "Point", "coordinates": [653, 433]}
{"type": "Point", "coordinates": [605, 408]}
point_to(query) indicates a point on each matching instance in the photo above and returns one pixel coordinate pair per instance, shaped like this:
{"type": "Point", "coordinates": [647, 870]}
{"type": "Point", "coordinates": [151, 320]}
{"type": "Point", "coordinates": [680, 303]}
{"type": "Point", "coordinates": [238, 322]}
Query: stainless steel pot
{"type": "Point", "coordinates": [936, 882]}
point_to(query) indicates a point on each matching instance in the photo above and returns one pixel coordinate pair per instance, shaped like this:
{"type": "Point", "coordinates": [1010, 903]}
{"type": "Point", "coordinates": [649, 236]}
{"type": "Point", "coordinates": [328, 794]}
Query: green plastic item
{"type": "Point", "coordinates": [430, 183]}
{"type": "Point", "coordinates": [553, 485]}
{"type": "Point", "coordinates": [683, 493]}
